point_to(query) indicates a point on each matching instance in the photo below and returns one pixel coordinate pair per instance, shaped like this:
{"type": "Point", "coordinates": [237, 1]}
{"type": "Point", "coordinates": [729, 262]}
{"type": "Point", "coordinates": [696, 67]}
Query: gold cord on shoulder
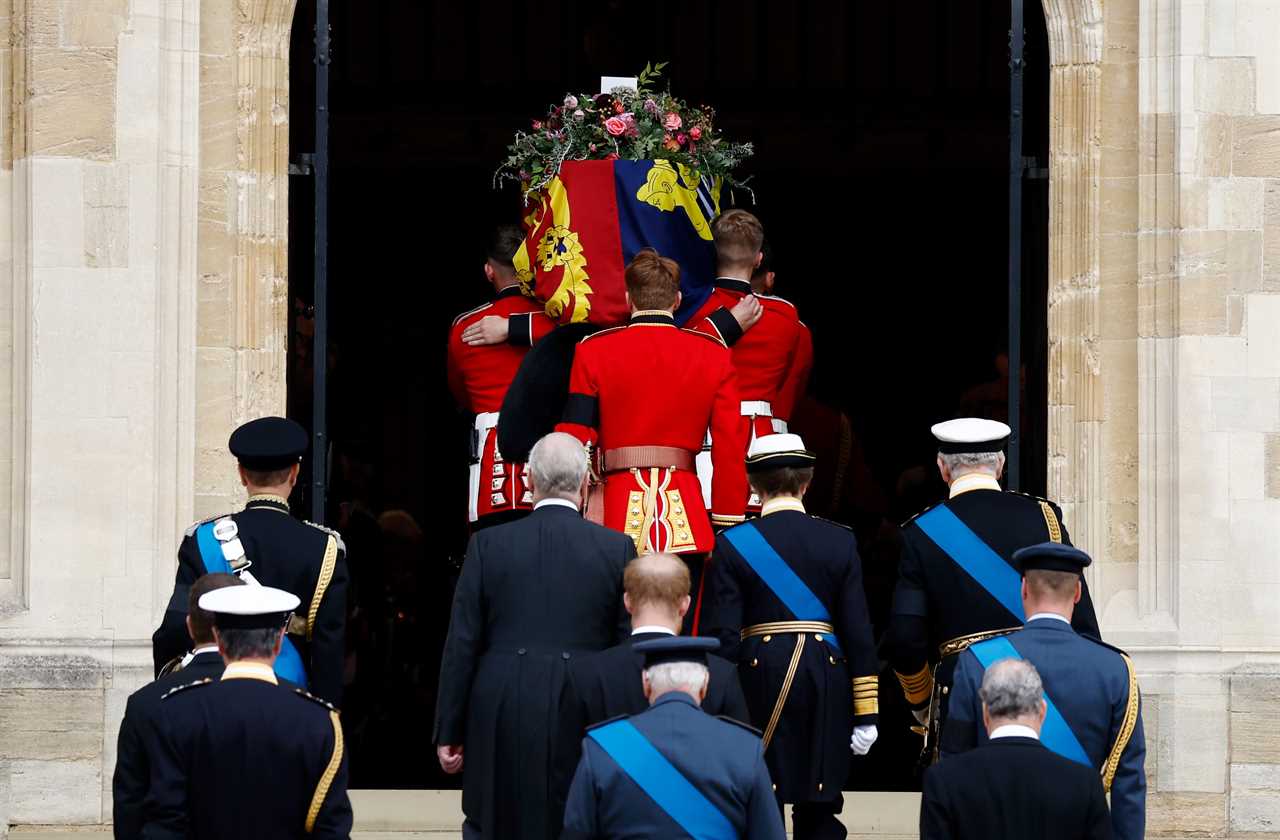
{"type": "Point", "coordinates": [326, 778]}
{"type": "Point", "coordinates": [1051, 522]}
{"type": "Point", "coordinates": [1126, 727]}
{"type": "Point", "coordinates": [322, 583]}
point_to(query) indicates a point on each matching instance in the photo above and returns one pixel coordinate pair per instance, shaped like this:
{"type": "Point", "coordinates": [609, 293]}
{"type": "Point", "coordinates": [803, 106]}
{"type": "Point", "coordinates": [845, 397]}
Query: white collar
{"type": "Point", "coordinates": [1061, 618]}
{"type": "Point", "coordinates": [652, 628]}
{"type": "Point", "coordinates": [781, 503]}
{"type": "Point", "coordinates": [560, 502]}
{"type": "Point", "coordinates": [204, 649]}
{"type": "Point", "coordinates": [250, 671]}
{"type": "Point", "coordinates": [973, 481]}
{"type": "Point", "coordinates": [1013, 730]}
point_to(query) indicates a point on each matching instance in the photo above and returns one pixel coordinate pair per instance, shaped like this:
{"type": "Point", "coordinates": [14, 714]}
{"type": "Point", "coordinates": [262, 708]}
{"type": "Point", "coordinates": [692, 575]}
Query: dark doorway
{"type": "Point", "coordinates": [880, 175]}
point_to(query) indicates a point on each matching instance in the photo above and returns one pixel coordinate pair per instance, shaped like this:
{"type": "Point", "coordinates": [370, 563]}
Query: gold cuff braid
{"type": "Point", "coordinates": [918, 686]}
{"type": "Point", "coordinates": [866, 695]}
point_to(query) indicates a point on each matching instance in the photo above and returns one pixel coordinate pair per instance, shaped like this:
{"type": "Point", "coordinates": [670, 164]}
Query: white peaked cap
{"type": "Point", "coordinates": [780, 450]}
{"type": "Point", "coordinates": [971, 434]}
{"type": "Point", "coordinates": [249, 606]}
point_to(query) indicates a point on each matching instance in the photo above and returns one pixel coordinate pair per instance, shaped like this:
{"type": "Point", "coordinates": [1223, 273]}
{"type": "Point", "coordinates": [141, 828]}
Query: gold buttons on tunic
{"type": "Point", "coordinates": [819, 787]}
{"type": "Point", "coordinates": [775, 787]}
{"type": "Point", "coordinates": [768, 639]}
{"type": "Point", "coordinates": [755, 662]}
{"type": "Point", "coordinates": [817, 637]}
{"type": "Point", "coordinates": [635, 523]}
{"type": "Point", "coordinates": [946, 689]}
{"type": "Point", "coordinates": [635, 511]}
{"type": "Point", "coordinates": [831, 659]}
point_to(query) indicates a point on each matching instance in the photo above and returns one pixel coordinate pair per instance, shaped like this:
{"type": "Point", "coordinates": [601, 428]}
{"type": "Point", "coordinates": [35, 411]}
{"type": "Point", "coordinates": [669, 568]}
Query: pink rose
{"type": "Point", "coordinates": [571, 101]}
{"type": "Point", "coordinates": [537, 125]}
{"type": "Point", "coordinates": [671, 121]}
{"type": "Point", "coordinates": [578, 115]}
{"type": "Point", "coordinates": [682, 138]}
{"type": "Point", "coordinates": [615, 126]}
{"type": "Point", "coordinates": [696, 132]}
{"type": "Point", "coordinates": [591, 147]}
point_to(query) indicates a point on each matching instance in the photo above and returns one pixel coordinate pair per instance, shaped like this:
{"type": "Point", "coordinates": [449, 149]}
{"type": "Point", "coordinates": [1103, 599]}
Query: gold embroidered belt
{"type": "Point", "coordinates": [801, 629]}
{"type": "Point", "coordinates": [780, 627]}
{"type": "Point", "coordinates": [646, 457]}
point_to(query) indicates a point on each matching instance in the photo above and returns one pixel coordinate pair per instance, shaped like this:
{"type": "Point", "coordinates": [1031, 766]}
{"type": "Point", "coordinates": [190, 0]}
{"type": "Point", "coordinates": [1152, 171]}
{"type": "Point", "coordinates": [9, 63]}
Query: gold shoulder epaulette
{"type": "Point", "coordinates": [331, 532]}
{"type": "Point", "coordinates": [479, 308]}
{"type": "Point", "coordinates": [302, 692]}
{"type": "Point", "coordinates": [715, 338]}
{"type": "Point", "coordinates": [599, 333]}
{"type": "Point", "coordinates": [185, 686]}
{"type": "Point", "coordinates": [191, 532]}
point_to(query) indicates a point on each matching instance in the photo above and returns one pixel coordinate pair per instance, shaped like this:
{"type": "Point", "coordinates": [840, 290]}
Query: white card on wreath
{"type": "Point", "coordinates": [608, 83]}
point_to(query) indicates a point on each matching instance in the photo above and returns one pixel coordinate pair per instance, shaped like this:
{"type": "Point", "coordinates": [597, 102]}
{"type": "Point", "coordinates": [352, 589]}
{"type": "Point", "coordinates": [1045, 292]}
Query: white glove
{"type": "Point", "coordinates": [922, 715]}
{"type": "Point", "coordinates": [862, 739]}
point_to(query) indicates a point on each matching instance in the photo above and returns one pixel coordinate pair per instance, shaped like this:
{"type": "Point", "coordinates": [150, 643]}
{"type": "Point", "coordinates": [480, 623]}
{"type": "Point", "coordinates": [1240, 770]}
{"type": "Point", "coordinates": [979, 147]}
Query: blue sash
{"type": "Point", "coordinates": [992, 572]}
{"type": "Point", "coordinates": [779, 577]}
{"type": "Point", "coordinates": [288, 664]}
{"type": "Point", "coordinates": [662, 782]}
{"type": "Point", "coordinates": [1055, 734]}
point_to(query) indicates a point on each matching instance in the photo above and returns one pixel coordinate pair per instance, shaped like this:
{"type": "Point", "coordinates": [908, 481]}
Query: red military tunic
{"type": "Point", "coordinates": [765, 358]}
{"type": "Point", "coordinates": [796, 383]}
{"type": "Point", "coordinates": [651, 384]}
{"type": "Point", "coordinates": [478, 378]}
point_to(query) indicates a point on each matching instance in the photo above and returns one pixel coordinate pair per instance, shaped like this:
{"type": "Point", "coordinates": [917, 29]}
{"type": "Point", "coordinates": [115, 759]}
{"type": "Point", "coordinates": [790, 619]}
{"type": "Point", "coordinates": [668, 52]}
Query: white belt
{"type": "Point", "coordinates": [756, 408]}
{"type": "Point", "coordinates": [486, 422]}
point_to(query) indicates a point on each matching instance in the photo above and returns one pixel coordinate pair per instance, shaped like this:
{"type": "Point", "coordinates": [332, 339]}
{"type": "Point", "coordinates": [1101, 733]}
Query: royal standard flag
{"type": "Point", "coordinates": [586, 224]}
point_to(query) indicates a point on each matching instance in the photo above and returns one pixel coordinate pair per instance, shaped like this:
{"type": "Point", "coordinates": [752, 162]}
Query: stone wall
{"type": "Point", "coordinates": [1164, 388]}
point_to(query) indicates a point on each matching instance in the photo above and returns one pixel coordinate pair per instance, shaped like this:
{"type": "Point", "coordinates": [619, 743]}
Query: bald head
{"type": "Point", "coordinates": [656, 590]}
{"type": "Point", "coordinates": [558, 468]}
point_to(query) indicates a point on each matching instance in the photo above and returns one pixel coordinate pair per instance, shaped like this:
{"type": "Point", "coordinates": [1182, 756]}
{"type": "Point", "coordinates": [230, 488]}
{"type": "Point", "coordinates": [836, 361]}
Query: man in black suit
{"type": "Point", "coordinates": [607, 684]}
{"type": "Point", "coordinates": [135, 749]}
{"type": "Point", "coordinates": [1013, 787]}
{"type": "Point", "coordinates": [533, 595]}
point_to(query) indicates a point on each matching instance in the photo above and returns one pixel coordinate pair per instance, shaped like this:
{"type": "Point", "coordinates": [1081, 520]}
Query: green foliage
{"type": "Point", "coordinates": [641, 124]}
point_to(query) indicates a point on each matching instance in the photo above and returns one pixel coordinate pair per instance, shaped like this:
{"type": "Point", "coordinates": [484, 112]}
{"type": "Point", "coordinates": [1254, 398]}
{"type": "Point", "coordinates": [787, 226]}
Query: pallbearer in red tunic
{"type": "Point", "coordinates": [768, 356]}
{"type": "Point", "coordinates": [486, 346]}
{"type": "Point", "coordinates": [644, 396]}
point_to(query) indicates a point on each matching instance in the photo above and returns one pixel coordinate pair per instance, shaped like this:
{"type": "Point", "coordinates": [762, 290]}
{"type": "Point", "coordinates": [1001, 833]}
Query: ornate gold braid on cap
{"type": "Point", "coordinates": [322, 583]}
{"type": "Point", "coordinates": [962, 643]}
{"type": "Point", "coordinates": [1126, 727]}
{"type": "Point", "coordinates": [1051, 522]}
{"type": "Point", "coordinates": [326, 778]}
{"type": "Point", "coordinates": [786, 689]}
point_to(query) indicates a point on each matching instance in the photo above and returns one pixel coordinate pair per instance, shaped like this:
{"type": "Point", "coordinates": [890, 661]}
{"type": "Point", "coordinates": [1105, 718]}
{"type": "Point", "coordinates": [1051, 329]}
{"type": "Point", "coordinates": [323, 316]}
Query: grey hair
{"type": "Point", "coordinates": [1011, 688]}
{"type": "Point", "coordinates": [961, 462]}
{"type": "Point", "coordinates": [558, 464]}
{"type": "Point", "coordinates": [676, 676]}
{"type": "Point", "coordinates": [256, 643]}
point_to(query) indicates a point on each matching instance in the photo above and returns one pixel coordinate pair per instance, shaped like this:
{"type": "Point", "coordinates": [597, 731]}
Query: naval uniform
{"type": "Point", "coordinates": [1091, 685]}
{"type": "Point", "coordinates": [939, 607]}
{"type": "Point", "coordinates": [243, 758]}
{"type": "Point", "coordinates": [137, 743]}
{"type": "Point", "coordinates": [286, 553]}
{"type": "Point", "coordinates": [1012, 788]}
{"type": "Point", "coordinates": [715, 766]}
{"type": "Point", "coordinates": [806, 691]}
{"type": "Point", "coordinates": [479, 377]}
